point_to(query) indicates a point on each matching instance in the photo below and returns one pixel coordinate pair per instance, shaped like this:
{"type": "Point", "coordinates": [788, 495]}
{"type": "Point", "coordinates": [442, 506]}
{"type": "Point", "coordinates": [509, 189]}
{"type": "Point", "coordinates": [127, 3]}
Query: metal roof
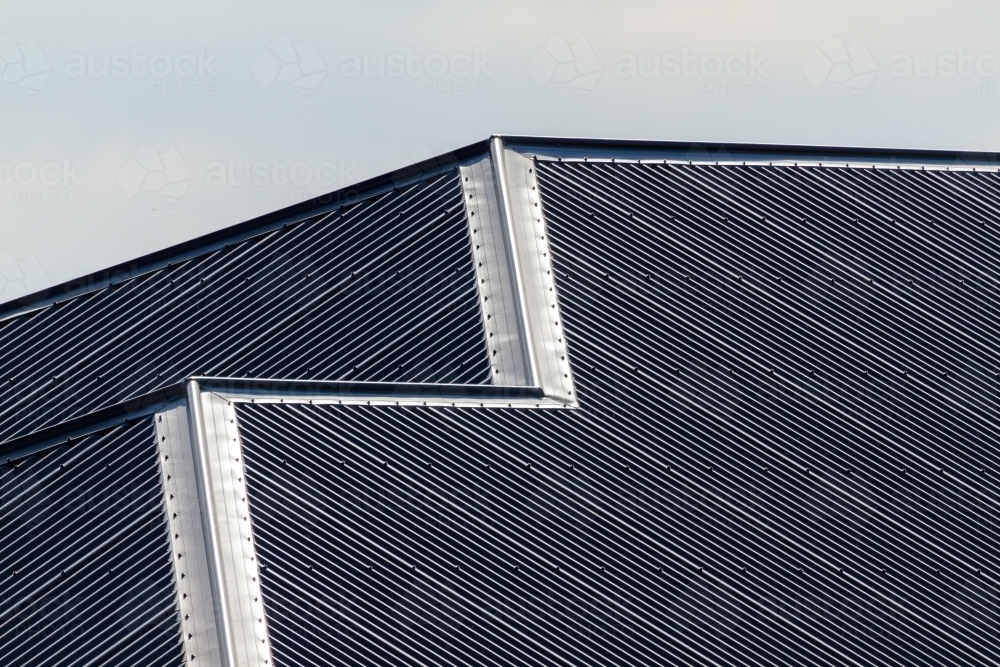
{"type": "Point", "coordinates": [382, 291]}
{"type": "Point", "coordinates": [750, 416]}
{"type": "Point", "coordinates": [87, 577]}
{"type": "Point", "coordinates": [784, 452]}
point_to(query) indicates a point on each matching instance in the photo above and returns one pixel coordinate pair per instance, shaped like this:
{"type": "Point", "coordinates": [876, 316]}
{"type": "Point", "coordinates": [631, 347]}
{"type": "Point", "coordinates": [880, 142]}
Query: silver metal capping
{"type": "Point", "coordinates": [498, 300]}
{"type": "Point", "coordinates": [205, 503]}
{"type": "Point", "coordinates": [534, 257]}
{"type": "Point", "coordinates": [237, 554]}
{"type": "Point", "coordinates": [518, 299]}
{"type": "Point", "coordinates": [187, 538]}
{"type": "Point", "coordinates": [514, 255]}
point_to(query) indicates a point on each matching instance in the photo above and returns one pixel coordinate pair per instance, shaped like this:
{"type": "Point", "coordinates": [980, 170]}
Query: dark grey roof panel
{"type": "Point", "coordinates": [383, 290]}
{"type": "Point", "coordinates": [748, 400]}
{"type": "Point", "coordinates": [672, 516]}
{"type": "Point", "coordinates": [86, 577]}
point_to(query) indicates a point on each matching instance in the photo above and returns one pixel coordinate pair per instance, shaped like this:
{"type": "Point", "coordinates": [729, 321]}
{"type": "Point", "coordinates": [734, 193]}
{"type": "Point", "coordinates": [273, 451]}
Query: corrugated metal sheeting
{"type": "Point", "coordinates": [84, 548]}
{"type": "Point", "coordinates": [785, 451]}
{"type": "Point", "coordinates": [383, 290]}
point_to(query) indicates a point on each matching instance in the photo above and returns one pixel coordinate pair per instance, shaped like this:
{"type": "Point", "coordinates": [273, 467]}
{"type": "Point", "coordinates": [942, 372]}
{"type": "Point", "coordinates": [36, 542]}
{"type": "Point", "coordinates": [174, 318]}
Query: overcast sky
{"type": "Point", "coordinates": [128, 127]}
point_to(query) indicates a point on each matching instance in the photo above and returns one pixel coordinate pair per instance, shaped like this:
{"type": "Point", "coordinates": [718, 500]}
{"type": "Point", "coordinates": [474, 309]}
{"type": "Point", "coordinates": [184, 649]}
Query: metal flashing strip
{"type": "Point", "coordinates": [206, 503]}
{"type": "Point", "coordinates": [709, 152]}
{"type": "Point", "coordinates": [163, 399]}
{"type": "Point", "coordinates": [499, 302]}
{"type": "Point", "coordinates": [549, 350]}
{"type": "Point", "coordinates": [517, 290]}
{"type": "Point", "coordinates": [765, 161]}
{"type": "Point", "coordinates": [245, 390]}
{"type": "Point", "coordinates": [187, 539]}
{"type": "Point", "coordinates": [244, 601]}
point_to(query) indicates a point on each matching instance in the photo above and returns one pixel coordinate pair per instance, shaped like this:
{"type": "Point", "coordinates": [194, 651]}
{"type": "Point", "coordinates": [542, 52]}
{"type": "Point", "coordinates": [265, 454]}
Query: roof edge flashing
{"type": "Point", "coordinates": [571, 147]}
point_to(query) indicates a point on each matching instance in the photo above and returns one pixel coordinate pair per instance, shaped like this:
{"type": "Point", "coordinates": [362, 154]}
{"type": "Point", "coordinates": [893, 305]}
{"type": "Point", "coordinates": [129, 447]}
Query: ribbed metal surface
{"type": "Point", "coordinates": [84, 548]}
{"type": "Point", "coordinates": [383, 291]}
{"type": "Point", "coordinates": [751, 477]}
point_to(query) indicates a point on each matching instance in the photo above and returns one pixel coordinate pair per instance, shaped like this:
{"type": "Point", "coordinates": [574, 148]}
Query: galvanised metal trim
{"type": "Point", "coordinates": [206, 497]}
{"type": "Point", "coordinates": [244, 603]}
{"type": "Point", "coordinates": [709, 152]}
{"type": "Point", "coordinates": [261, 389]}
{"type": "Point", "coordinates": [760, 161]}
{"type": "Point", "coordinates": [187, 539]}
{"type": "Point", "coordinates": [267, 390]}
{"type": "Point", "coordinates": [500, 171]}
{"type": "Point", "coordinates": [321, 399]}
{"type": "Point", "coordinates": [540, 304]}
{"type": "Point", "coordinates": [493, 256]}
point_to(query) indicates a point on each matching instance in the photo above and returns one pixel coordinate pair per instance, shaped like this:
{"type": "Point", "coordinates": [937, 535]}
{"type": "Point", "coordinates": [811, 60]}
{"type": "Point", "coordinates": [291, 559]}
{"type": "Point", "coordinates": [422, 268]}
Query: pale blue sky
{"type": "Point", "coordinates": [125, 127]}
